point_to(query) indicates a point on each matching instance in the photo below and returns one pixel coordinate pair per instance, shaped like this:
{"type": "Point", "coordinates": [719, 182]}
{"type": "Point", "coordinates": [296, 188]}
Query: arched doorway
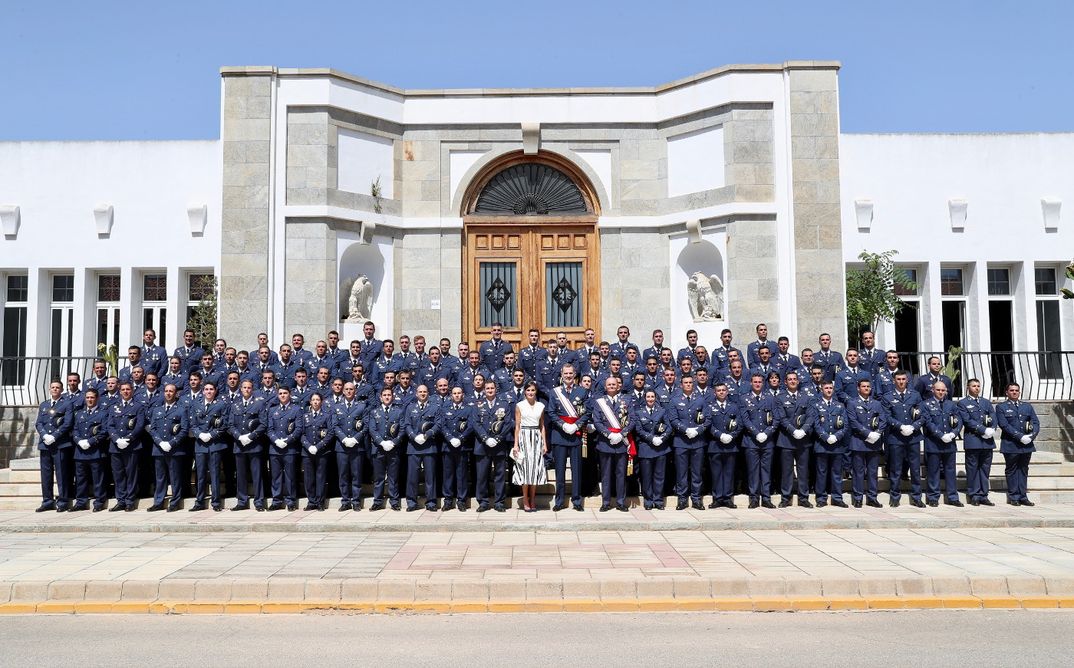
{"type": "Point", "coordinates": [531, 253]}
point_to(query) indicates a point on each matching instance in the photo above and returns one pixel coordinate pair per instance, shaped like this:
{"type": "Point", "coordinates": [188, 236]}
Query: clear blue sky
{"type": "Point", "coordinates": [149, 70]}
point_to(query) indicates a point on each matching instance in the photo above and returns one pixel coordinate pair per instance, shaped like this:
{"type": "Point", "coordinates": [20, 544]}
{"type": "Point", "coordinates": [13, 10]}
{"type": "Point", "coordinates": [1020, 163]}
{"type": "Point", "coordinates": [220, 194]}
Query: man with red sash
{"type": "Point", "coordinates": [566, 413]}
{"type": "Point", "coordinates": [613, 444]}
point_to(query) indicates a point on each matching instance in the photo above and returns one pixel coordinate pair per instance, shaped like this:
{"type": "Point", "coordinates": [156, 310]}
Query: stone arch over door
{"type": "Point", "coordinates": [531, 252]}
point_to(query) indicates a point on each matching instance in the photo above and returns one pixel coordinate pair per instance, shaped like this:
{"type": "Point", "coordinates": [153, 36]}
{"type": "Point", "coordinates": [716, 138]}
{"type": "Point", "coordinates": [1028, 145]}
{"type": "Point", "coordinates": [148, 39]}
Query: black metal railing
{"type": "Point", "coordinates": [24, 381]}
{"type": "Point", "coordinates": [1043, 375]}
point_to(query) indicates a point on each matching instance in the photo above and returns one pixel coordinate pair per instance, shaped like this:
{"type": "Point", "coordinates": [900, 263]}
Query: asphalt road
{"type": "Point", "coordinates": [920, 638]}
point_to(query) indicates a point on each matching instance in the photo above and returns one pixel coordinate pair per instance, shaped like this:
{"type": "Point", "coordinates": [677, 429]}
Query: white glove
{"type": "Point", "coordinates": [84, 444]}
{"type": "Point", "coordinates": [245, 439]}
{"type": "Point", "coordinates": [658, 441]}
{"type": "Point", "coordinates": [989, 432]}
{"type": "Point", "coordinates": [948, 437]}
{"type": "Point", "coordinates": [313, 449]}
{"type": "Point", "coordinates": [691, 432]}
{"type": "Point", "coordinates": [762, 437]}
{"type": "Point", "coordinates": [1027, 439]}
{"type": "Point", "coordinates": [798, 434]}
{"type": "Point", "coordinates": [491, 442]}
{"type": "Point", "coordinates": [350, 442]}
{"type": "Point", "coordinates": [387, 445]}
{"type": "Point", "coordinates": [832, 439]}
{"type": "Point", "coordinates": [165, 446]}
{"type": "Point", "coordinates": [873, 437]}
{"type": "Point", "coordinates": [590, 428]}
{"type": "Point", "coordinates": [906, 429]}
{"type": "Point", "coordinates": [570, 429]}
{"type": "Point", "coordinates": [205, 437]}
{"type": "Point", "coordinates": [280, 443]}
{"type": "Point", "coordinates": [48, 439]}
{"type": "Point", "coordinates": [455, 443]}
{"type": "Point", "coordinates": [615, 439]}
{"type": "Point", "coordinates": [420, 439]}
{"type": "Point", "coordinates": [725, 438]}
{"type": "Point", "coordinates": [122, 443]}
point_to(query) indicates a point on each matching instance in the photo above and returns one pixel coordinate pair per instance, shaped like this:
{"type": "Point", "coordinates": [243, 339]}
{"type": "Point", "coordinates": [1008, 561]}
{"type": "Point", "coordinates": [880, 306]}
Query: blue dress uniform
{"type": "Point", "coordinates": [421, 420]}
{"type": "Point", "coordinates": [872, 359]}
{"type": "Point", "coordinates": [350, 456]}
{"type": "Point", "coordinates": [784, 362]}
{"type": "Point", "coordinates": [792, 411]}
{"type": "Point", "coordinates": [548, 374]}
{"type": "Point", "coordinates": [611, 417]}
{"type": "Point", "coordinates": [721, 358]}
{"type": "Point", "coordinates": [464, 377]}
{"type": "Point", "coordinates": [868, 419]}
{"type": "Point", "coordinates": [89, 461]}
{"type": "Point", "coordinates": [380, 366]}
{"type": "Point", "coordinates": [904, 451]}
{"type": "Point", "coordinates": [429, 373]}
{"type": "Point", "coordinates": [300, 395]}
{"type": "Point", "coordinates": [370, 349]}
{"type": "Point", "coordinates": [492, 351]}
{"type": "Point", "coordinates": [652, 434]}
{"type": "Point", "coordinates": [457, 424]}
{"type": "Point", "coordinates": [344, 367]}
{"type": "Point", "coordinates": [97, 383]}
{"type": "Point", "coordinates": [665, 393]}
{"type": "Point", "coordinates": [247, 419]}
{"type": "Point", "coordinates": [924, 383]}
{"type": "Point", "coordinates": [528, 357]}
{"type": "Point", "coordinates": [285, 372]}
{"type": "Point", "coordinates": [179, 380]}
{"type": "Point", "coordinates": [759, 417]}
{"type": "Point", "coordinates": [1017, 419]}
{"type": "Point", "coordinates": [126, 422]}
{"type": "Point", "coordinates": [55, 419]}
{"type": "Point", "coordinates": [316, 442]}
{"type": "Point", "coordinates": [688, 413]}
{"type": "Point", "coordinates": [618, 349]}
{"type": "Point", "coordinates": [76, 399]}
{"type": "Point", "coordinates": [736, 387]}
{"type": "Point", "coordinates": [386, 425]}
{"type": "Point", "coordinates": [831, 360]}
{"type": "Point", "coordinates": [567, 406]}
{"type": "Point", "coordinates": [169, 424]}
{"type": "Point", "coordinates": [283, 424]}
{"type": "Point", "coordinates": [725, 428]}
{"type": "Point", "coordinates": [978, 417]}
{"type": "Point", "coordinates": [829, 420]}
{"type": "Point", "coordinates": [752, 358]}
{"type": "Point", "coordinates": [941, 418]}
{"type": "Point", "coordinates": [495, 421]}
{"type": "Point", "coordinates": [208, 417]}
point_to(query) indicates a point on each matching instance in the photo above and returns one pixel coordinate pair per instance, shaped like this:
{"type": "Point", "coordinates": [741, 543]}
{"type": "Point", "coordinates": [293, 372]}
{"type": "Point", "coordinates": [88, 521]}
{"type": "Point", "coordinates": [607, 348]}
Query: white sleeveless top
{"type": "Point", "coordinates": [530, 416]}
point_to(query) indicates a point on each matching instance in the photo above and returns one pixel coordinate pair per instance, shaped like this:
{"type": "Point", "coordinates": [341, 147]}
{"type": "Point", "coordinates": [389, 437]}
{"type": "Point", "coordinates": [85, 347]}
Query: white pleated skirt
{"type": "Point", "coordinates": [529, 467]}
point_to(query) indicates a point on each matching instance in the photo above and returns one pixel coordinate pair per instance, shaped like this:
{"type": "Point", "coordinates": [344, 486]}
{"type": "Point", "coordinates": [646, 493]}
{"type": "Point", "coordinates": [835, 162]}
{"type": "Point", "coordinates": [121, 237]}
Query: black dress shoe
{"type": "Point", "coordinates": [196, 507]}
{"type": "Point", "coordinates": [873, 503]}
{"type": "Point", "coordinates": [275, 506]}
{"type": "Point", "coordinates": [649, 506]}
{"type": "Point", "coordinates": [259, 509]}
{"type": "Point", "coordinates": [344, 506]}
{"type": "Point", "coordinates": [356, 506]}
{"type": "Point", "coordinates": [45, 507]}
{"type": "Point", "coordinates": [175, 507]}
{"type": "Point", "coordinates": [98, 509]}
{"type": "Point", "coordinates": [715, 504]}
{"type": "Point", "coordinates": [605, 507]}
{"type": "Point", "coordinates": [461, 506]}
{"type": "Point", "coordinates": [395, 505]}
{"type": "Point", "coordinates": [1026, 502]}
{"type": "Point", "coordinates": [697, 505]}
{"type": "Point", "coordinates": [63, 508]}
{"type": "Point", "coordinates": [558, 507]}
{"type": "Point", "coordinates": [154, 508]}
{"type": "Point", "coordinates": [804, 503]}
{"type": "Point", "coordinates": [730, 504]}
{"type": "Point", "coordinates": [448, 505]}
{"type": "Point", "coordinates": [483, 507]}
{"type": "Point", "coordinates": [292, 507]}
{"type": "Point", "coordinates": [240, 506]}
{"type": "Point", "coordinates": [916, 503]}
{"type": "Point", "coordinates": [499, 508]}
{"type": "Point", "coordinates": [987, 502]}
{"type": "Point", "coordinates": [116, 508]}
{"type": "Point", "coordinates": [974, 502]}
{"type": "Point", "coordinates": [765, 503]}
{"type": "Point", "coordinates": [78, 507]}
{"type": "Point", "coordinates": [754, 504]}
{"type": "Point", "coordinates": [893, 503]}
{"type": "Point", "coordinates": [839, 503]}
{"type": "Point", "coordinates": [681, 505]}
{"type": "Point", "coordinates": [310, 506]}
{"type": "Point", "coordinates": [821, 504]}
{"type": "Point", "coordinates": [432, 507]}
{"type": "Point", "coordinates": [856, 504]}
{"type": "Point", "coordinates": [956, 503]}
{"type": "Point", "coordinates": [622, 508]}
{"type": "Point", "coordinates": [579, 507]}
{"type": "Point", "coordinates": [411, 509]}
{"type": "Point", "coordinates": [130, 508]}
{"type": "Point", "coordinates": [1012, 502]}
{"type": "Point", "coordinates": [932, 504]}
{"type": "Point", "coordinates": [785, 503]}
{"type": "Point", "coordinates": [658, 506]}
{"type": "Point", "coordinates": [377, 505]}
{"type": "Point", "coordinates": [217, 509]}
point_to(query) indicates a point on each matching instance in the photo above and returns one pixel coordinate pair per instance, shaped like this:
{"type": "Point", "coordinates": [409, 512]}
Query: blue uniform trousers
{"type": "Point", "coordinates": [1016, 469]}
{"type": "Point", "coordinates": [207, 474]}
{"type": "Point", "coordinates": [829, 476]}
{"type": "Point", "coordinates": [57, 463]}
{"type": "Point", "coordinates": [414, 463]}
{"type": "Point", "coordinates": [167, 470]}
{"type": "Point", "coordinates": [315, 477]}
{"type": "Point", "coordinates": [864, 481]}
{"type": "Point", "coordinates": [653, 471]}
{"type": "Point", "coordinates": [794, 460]}
{"type": "Point", "coordinates": [722, 468]}
{"type": "Point", "coordinates": [125, 476]}
{"type": "Point", "coordinates": [903, 459]}
{"type": "Point", "coordinates": [498, 465]}
{"type": "Point", "coordinates": [934, 463]}
{"type": "Point", "coordinates": [613, 472]}
{"type": "Point", "coordinates": [562, 454]}
{"type": "Point", "coordinates": [350, 465]}
{"type": "Point", "coordinates": [978, 466]}
{"type": "Point", "coordinates": [688, 473]}
{"type": "Point", "coordinates": [759, 472]}
{"type": "Point", "coordinates": [386, 466]}
{"type": "Point", "coordinates": [456, 465]}
{"type": "Point", "coordinates": [284, 471]}
{"type": "Point", "coordinates": [248, 467]}
{"type": "Point", "coordinates": [85, 472]}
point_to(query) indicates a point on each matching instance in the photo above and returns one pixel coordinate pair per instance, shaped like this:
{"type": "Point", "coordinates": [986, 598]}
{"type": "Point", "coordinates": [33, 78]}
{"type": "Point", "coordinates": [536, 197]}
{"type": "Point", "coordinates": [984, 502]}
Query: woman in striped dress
{"type": "Point", "coordinates": [530, 448]}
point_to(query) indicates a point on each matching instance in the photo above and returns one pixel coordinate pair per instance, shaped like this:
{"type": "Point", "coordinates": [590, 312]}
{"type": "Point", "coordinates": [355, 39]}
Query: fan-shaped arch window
{"type": "Point", "coordinates": [530, 189]}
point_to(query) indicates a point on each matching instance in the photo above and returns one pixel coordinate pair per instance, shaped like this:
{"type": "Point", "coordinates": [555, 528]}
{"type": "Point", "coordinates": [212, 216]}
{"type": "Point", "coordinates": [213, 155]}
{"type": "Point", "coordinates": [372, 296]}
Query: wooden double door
{"type": "Point", "coordinates": [542, 275]}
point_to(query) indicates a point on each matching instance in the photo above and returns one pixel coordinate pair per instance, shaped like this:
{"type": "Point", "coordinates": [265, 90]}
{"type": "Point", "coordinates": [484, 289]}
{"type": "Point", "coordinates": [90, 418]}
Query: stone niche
{"type": "Point", "coordinates": [371, 261]}
{"type": "Point", "coordinates": [699, 298]}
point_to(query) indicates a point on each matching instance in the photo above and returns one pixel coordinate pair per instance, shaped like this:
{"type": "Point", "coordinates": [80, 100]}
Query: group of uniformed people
{"type": "Point", "coordinates": [414, 415]}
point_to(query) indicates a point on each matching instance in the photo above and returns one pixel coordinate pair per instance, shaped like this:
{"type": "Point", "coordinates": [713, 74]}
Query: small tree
{"type": "Point", "coordinates": [203, 318]}
{"type": "Point", "coordinates": [871, 291]}
{"type": "Point", "coordinates": [1068, 294]}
